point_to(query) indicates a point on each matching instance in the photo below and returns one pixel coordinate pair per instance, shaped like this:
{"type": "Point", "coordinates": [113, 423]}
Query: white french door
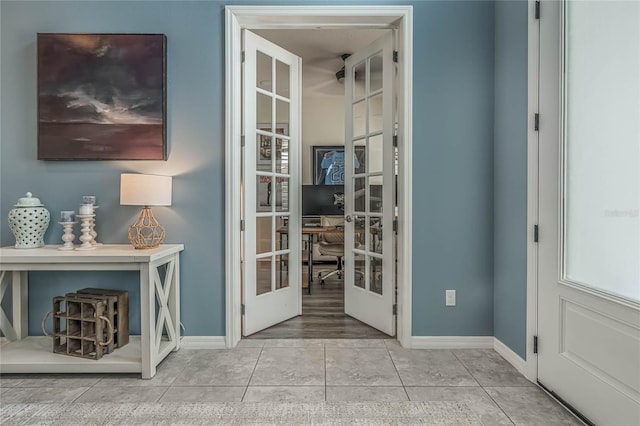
{"type": "Point", "coordinates": [589, 190]}
{"type": "Point", "coordinates": [271, 170]}
{"type": "Point", "coordinates": [370, 185]}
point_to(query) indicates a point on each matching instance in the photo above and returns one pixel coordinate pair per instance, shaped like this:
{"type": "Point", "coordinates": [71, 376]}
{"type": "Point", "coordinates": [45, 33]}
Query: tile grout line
{"type": "Point", "coordinates": [497, 404]}
{"type": "Point", "coordinates": [252, 372]}
{"type": "Point", "coordinates": [465, 367]}
{"type": "Point", "coordinates": [482, 387]}
{"type": "Point", "coordinates": [404, 388]}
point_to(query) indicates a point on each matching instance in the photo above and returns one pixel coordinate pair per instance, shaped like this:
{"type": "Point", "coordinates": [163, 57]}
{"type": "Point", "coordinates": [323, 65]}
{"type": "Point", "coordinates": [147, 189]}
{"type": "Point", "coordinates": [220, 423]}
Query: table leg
{"type": "Point", "coordinates": [174, 300]}
{"type": "Point", "coordinates": [147, 321]}
{"type": "Point", "coordinates": [20, 289]}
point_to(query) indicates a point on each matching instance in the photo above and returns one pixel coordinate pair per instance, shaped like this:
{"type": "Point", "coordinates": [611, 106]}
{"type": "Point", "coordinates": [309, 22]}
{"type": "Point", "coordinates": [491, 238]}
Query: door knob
{"type": "Point", "coordinates": [348, 218]}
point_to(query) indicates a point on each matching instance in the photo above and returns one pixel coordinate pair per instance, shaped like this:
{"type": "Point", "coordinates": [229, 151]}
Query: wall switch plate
{"type": "Point", "coordinates": [450, 298]}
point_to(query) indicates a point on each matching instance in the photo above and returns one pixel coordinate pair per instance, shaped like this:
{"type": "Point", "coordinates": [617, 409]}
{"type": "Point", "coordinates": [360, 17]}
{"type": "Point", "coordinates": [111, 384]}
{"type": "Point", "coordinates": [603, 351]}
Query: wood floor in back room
{"type": "Point", "coordinates": [322, 316]}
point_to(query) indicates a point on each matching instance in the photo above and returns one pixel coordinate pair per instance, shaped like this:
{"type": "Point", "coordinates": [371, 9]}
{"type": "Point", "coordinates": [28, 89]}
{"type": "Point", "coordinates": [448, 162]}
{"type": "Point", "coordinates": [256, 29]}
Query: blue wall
{"type": "Point", "coordinates": [510, 175]}
{"type": "Point", "coordinates": [196, 148]}
{"type": "Point", "coordinates": [452, 168]}
{"type": "Point", "coordinates": [453, 154]}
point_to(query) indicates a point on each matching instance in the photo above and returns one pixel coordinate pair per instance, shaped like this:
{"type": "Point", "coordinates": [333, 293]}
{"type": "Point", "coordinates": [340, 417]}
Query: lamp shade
{"type": "Point", "coordinates": [145, 190]}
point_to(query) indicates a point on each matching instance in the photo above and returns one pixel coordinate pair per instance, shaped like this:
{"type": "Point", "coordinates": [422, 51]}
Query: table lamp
{"type": "Point", "coordinates": [146, 191]}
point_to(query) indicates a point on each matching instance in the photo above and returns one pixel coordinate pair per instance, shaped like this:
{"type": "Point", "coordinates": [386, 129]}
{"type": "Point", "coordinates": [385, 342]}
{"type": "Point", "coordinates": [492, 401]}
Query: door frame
{"type": "Point", "coordinates": [533, 56]}
{"type": "Point", "coordinates": [238, 18]}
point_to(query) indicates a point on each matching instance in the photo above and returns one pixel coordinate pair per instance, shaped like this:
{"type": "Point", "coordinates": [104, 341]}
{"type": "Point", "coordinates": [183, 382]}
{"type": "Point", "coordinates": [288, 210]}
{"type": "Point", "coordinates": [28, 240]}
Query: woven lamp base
{"type": "Point", "coordinates": [147, 232]}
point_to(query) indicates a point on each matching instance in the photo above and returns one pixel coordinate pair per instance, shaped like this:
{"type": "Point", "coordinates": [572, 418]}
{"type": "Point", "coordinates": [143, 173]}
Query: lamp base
{"type": "Point", "coordinates": [147, 232]}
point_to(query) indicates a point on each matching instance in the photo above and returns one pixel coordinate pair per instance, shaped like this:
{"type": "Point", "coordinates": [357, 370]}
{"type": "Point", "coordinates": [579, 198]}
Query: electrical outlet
{"type": "Point", "coordinates": [450, 298]}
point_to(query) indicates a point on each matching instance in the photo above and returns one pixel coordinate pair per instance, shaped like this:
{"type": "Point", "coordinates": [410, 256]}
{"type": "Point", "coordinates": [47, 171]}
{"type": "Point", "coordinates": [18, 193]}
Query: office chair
{"type": "Point", "coordinates": [332, 244]}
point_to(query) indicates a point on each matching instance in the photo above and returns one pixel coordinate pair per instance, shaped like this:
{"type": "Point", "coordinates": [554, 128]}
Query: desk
{"type": "Point", "coordinates": [34, 354]}
{"type": "Point", "coordinates": [310, 232]}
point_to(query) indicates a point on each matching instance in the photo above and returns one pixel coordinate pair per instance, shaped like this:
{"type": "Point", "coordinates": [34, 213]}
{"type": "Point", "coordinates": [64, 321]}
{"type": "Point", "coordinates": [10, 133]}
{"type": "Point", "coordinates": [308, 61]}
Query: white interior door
{"type": "Point", "coordinates": [271, 186]}
{"type": "Point", "coordinates": [589, 246]}
{"type": "Point", "coordinates": [370, 185]}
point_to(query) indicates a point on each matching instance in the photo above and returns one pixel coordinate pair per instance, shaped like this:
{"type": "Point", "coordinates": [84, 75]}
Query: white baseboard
{"type": "Point", "coordinates": [452, 342]}
{"type": "Point", "coordinates": [203, 342]}
{"type": "Point", "coordinates": [512, 357]}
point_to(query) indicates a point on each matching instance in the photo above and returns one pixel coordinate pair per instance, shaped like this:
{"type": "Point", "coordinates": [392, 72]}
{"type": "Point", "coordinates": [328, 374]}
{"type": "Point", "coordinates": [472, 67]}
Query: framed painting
{"type": "Point", "coordinates": [102, 96]}
{"type": "Point", "coordinates": [265, 145]}
{"type": "Point", "coordinates": [328, 164]}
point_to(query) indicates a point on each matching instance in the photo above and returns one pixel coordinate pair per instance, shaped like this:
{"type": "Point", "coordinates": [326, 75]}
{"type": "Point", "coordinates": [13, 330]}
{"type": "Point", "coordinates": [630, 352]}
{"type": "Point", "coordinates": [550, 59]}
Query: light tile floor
{"type": "Point", "coordinates": [313, 370]}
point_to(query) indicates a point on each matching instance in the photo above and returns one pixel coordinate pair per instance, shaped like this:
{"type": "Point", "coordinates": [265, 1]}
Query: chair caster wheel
{"type": "Point", "coordinates": [339, 275]}
{"type": "Point", "coordinates": [322, 282]}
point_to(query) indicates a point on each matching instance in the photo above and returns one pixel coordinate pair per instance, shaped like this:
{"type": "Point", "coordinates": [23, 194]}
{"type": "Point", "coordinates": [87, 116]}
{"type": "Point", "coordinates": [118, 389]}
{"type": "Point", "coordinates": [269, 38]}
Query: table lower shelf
{"type": "Point", "coordinates": [35, 355]}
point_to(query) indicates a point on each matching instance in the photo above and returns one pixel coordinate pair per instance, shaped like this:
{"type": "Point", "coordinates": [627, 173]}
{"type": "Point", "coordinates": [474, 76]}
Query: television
{"type": "Point", "coordinates": [318, 200]}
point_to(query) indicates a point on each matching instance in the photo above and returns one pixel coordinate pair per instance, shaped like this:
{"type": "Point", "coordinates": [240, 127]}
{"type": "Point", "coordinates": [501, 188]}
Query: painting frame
{"type": "Point", "coordinates": [102, 96]}
{"type": "Point", "coordinates": [264, 149]}
{"type": "Point", "coordinates": [319, 153]}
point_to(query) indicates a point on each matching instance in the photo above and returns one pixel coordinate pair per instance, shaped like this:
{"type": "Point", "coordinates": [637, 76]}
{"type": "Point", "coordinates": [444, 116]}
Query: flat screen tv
{"type": "Point", "coordinates": [318, 200]}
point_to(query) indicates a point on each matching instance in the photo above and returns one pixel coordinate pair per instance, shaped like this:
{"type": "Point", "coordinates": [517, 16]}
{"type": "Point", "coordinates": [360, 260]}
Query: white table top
{"type": "Point", "coordinates": [107, 253]}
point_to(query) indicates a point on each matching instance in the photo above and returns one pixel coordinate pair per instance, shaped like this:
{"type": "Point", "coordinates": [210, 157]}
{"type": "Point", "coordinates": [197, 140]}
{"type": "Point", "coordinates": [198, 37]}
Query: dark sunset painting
{"type": "Point", "coordinates": [102, 97]}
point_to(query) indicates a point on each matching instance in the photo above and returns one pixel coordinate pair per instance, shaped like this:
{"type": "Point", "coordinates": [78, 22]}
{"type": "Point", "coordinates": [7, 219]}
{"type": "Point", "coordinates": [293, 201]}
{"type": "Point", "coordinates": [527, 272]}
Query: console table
{"type": "Point", "coordinates": [20, 353]}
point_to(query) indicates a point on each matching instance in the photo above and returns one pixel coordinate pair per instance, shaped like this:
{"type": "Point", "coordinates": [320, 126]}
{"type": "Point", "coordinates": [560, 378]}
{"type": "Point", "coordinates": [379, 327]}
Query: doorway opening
{"type": "Point", "coordinates": [260, 19]}
{"type": "Point", "coordinates": [323, 120]}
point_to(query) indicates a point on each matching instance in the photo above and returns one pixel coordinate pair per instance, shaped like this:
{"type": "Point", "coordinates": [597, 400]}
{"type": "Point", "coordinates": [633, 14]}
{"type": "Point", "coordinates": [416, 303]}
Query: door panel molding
{"type": "Point", "coordinates": [237, 18]}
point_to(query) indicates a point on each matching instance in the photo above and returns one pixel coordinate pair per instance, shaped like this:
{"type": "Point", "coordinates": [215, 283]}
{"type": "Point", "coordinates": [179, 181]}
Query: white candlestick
{"type": "Point", "coordinates": [86, 232]}
{"type": "Point", "coordinates": [68, 235]}
{"type": "Point", "coordinates": [93, 232]}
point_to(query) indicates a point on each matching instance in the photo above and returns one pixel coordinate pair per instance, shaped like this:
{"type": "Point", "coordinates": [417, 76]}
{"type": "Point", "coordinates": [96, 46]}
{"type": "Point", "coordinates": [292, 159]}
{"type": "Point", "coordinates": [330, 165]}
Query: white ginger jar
{"type": "Point", "coordinates": [28, 221]}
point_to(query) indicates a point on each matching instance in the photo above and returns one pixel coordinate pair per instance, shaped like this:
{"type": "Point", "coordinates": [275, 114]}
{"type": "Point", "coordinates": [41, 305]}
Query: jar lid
{"type": "Point", "coordinates": [29, 201]}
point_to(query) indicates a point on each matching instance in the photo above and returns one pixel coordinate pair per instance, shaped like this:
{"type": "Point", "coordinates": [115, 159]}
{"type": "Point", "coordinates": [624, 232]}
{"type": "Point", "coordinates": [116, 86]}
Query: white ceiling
{"type": "Point", "coordinates": [321, 50]}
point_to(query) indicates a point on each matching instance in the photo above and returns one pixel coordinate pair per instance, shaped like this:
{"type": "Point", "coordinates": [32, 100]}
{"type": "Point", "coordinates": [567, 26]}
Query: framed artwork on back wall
{"type": "Point", "coordinates": [328, 164]}
{"type": "Point", "coordinates": [102, 97]}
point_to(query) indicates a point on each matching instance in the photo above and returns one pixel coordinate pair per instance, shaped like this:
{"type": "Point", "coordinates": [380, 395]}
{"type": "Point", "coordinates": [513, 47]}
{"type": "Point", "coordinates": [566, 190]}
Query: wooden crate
{"type": "Point", "coordinates": [77, 327]}
{"type": "Point", "coordinates": [120, 319]}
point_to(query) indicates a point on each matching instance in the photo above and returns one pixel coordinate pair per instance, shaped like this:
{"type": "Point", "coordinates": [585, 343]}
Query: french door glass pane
{"type": "Point", "coordinates": [282, 271]}
{"type": "Point", "coordinates": [375, 235]}
{"type": "Point", "coordinates": [359, 80]}
{"type": "Point", "coordinates": [282, 235]}
{"type": "Point", "coordinates": [282, 116]}
{"type": "Point", "coordinates": [282, 79]}
{"type": "Point", "coordinates": [359, 269]}
{"type": "Point", "coordinates": [359, 194]}
{"type": "Point", "coordinates": [602, 146]}
{"type": "Point", "coordinates": [263, 112]}
{"type": "Point", "coordinates": [282, 194]}
{"type": "Point", "coordinates": [359, 118]}
{"type": "Point", "coordinates": [375, 154]}
{"type": "Point", "coordinates": [359, 233]}
{"type": "Point", "coordinates": [375, 113]}
{"type": "Point", "coordinates": [282, 156]}
{"type": "Point", "coordinates": [263, 154]}
{"type": "Point", "coordinates": [375, 275]}
{"type": "Point", "coordinates": [263, 234]}
{"type": "Point", "coordinates": [360, 156]}
{"type": "Point", "coordinates": [375, 73]}
{"type": "Point", "coordinates": [375, 194]}
{"type": "Point", "coordinates": [264, 193]}
{"type": "Point", "coordinates": [263, 275]}
{"type": "Point", "coordinates": [263, 71]}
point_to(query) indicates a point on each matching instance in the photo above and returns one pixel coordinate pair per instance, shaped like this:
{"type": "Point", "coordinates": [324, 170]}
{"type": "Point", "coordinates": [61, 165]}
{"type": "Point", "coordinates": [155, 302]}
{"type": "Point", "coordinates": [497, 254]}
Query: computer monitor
{"type": "Point", "coordinates": [318, 200]}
